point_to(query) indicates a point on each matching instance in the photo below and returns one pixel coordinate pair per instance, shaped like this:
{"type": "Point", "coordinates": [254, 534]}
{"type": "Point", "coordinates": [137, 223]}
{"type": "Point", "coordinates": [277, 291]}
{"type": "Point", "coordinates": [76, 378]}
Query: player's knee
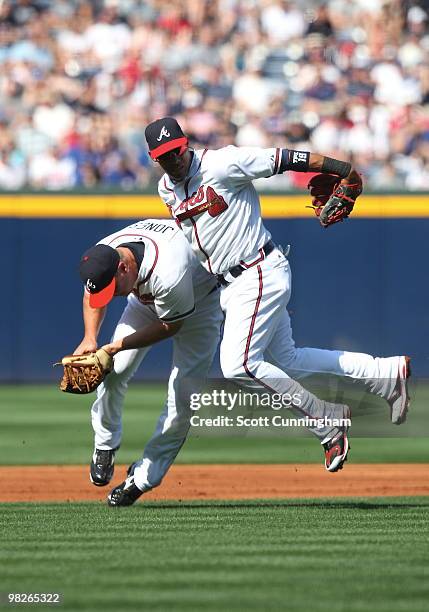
{"type": "Point", "coordinates": [290, 357]}
{"type": "Point", "coordinates": [123, 370]}
{"type": "Point", "coordinates": [125, 364]}
{"type": "Point", "coordinates": [116, 380]}
{"type": "Point", "coordinates": [120, 371]}
{"type": "Point", "coordinates": [232, 370]}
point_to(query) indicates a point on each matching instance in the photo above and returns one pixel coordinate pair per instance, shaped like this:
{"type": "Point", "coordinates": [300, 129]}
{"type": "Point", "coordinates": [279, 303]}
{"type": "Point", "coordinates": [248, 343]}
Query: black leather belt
{"type": "Point", "coordinates": [235, 271]}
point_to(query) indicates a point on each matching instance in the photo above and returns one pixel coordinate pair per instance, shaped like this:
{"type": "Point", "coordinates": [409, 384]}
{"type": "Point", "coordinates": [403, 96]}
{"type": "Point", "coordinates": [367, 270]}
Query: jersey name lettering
{"type": "Point", "coordinates": [205, 199]}
{"type": "Point", "coordinates": [156, 227]}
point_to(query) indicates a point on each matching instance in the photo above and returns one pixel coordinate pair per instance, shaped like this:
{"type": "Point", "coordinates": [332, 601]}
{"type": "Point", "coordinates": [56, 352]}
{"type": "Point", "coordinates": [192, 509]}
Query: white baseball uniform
{"type": "Point", "coordinates": [171, 286]}
{"type": "Point", "coordinates": [219, 212]}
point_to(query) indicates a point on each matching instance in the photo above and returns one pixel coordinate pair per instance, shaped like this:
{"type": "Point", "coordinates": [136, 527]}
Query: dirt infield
{"type": "Point", "coordinates": [196, 482]}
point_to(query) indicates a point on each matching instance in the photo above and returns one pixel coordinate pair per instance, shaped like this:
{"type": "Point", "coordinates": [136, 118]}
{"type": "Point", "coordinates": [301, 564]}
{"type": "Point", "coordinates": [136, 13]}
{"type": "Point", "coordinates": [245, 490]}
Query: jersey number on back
{"type": "Point", "coordinates": [199, 202]}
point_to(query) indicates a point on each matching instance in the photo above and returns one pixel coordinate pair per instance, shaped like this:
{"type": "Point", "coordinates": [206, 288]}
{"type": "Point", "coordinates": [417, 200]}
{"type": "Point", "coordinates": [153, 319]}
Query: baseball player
{"type": "Point", "coordinates": [211, 196]}
{"type": "Point", "coordinates": [169, 294]}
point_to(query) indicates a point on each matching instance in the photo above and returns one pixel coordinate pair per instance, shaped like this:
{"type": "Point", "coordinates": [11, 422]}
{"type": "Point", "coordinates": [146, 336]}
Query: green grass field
{"type": "Point", "coordinates": [354, 555]}
{"type": "Point", "coordinates": [292, 555]}
{"type": "Point", "coordinates": [40, 425]}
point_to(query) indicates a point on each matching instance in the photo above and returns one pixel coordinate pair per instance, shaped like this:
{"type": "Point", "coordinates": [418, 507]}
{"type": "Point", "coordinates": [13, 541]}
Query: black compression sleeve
{"type": "Point", "coordinates": [334, 166]}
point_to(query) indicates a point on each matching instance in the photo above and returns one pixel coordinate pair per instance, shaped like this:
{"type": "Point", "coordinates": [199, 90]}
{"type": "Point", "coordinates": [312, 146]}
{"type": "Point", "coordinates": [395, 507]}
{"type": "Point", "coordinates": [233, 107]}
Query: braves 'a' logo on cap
{"type": "Point", "coordinates": [163, 132]}
{"type": "Point", "coordinates": [90, 285]}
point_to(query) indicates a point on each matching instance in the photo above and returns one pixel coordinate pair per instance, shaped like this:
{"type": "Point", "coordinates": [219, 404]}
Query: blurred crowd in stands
{"type": "Point", "coordinates": [80, 80]}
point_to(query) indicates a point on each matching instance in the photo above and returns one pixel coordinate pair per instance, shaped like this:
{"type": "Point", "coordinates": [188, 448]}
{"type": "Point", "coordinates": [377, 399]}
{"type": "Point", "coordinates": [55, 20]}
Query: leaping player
{"type": "Point", "coordinates": [211, 196]}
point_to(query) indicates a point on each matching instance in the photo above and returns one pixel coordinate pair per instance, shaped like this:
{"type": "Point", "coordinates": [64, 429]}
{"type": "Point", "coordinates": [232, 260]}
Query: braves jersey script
{"type": "Point", "coordinates": [217, 205]}
{"type": "Point", "coordinates": [170, 276]}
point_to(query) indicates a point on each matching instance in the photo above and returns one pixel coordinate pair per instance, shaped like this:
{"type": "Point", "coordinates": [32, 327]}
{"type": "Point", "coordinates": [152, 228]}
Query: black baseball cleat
{"type": "Point", "coordinates": [400, 398]}
{"type": "Point", "coordinates": [124, 494]}
{"type": "Point", "coordinates": [336, 451]}
{"type": "Point", "coordinates": [102, 467]}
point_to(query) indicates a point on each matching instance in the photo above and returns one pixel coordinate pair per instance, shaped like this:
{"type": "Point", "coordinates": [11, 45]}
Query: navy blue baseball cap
{"type": "Point", "coordinates": [97, 269]}
{"type": "Point", "coordinates": [164, 135]}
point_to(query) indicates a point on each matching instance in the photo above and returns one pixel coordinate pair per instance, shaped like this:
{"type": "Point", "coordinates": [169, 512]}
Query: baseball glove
{"type": "Point", "coordinates": [333, 201]}
{"type": "Point", "coordinates": [83, 373]}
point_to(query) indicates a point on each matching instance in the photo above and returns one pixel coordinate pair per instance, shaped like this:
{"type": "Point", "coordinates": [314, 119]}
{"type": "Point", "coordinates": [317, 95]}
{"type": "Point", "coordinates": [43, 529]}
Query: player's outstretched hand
{"type": "Point", "coordinates": [112, 348]}
{"type": "Point", "coordinates": [353, 179]}
{"type": "Point", "coordinates": [86, 346]}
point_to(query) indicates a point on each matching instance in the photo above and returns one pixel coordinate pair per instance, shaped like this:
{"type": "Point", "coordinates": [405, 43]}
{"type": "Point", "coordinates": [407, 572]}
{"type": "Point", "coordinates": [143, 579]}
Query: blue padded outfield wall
{"type": "Point", "coordinates": [360, 285]}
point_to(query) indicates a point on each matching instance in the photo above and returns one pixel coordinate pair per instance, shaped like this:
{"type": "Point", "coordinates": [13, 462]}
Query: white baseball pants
{"type": "Point", "coordinates": [258, 350]}
{"type": "Point", "coordinates": [194, 347]}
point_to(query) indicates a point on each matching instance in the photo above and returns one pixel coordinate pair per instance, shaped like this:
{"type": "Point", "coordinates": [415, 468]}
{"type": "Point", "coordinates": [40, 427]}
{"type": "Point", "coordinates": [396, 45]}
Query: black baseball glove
{"type": "Point", "coordinates": [333, 200]}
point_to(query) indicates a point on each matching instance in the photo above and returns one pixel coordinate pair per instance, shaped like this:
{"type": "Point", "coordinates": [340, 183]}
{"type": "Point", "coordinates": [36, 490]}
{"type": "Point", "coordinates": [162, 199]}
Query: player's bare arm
{"type": "Point", "coordinates": [304, 161]}
{"type": "Point", "coordinates": [146, 336]}
{"type": "Point", "coordinates": [92, 320]}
